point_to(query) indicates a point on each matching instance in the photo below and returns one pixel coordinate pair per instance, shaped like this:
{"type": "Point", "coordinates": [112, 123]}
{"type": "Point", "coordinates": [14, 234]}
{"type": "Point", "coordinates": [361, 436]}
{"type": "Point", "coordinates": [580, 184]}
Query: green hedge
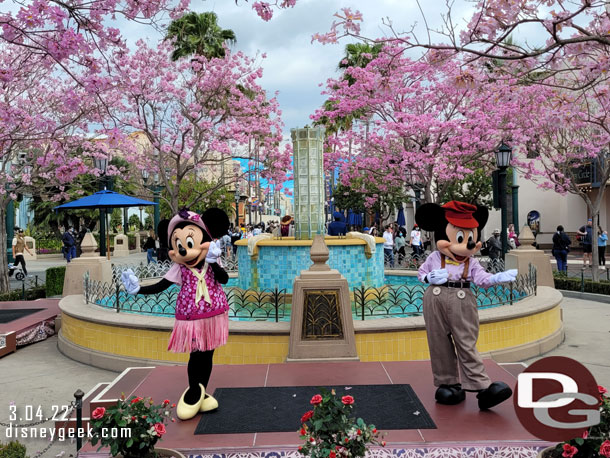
{"type": "Point", "coordinates": [55, 281]}
{"type": "Point", "coordinates": [13, 449]}
{"type": "Point", "coordinates": [30, 294]}
{"type": "Point", "coordinates": [575, 284]}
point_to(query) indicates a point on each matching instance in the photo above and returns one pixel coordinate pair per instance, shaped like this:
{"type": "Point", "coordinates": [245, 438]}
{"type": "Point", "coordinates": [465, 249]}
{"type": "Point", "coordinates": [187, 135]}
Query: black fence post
{"type": "Point", "coordinates": [276, 299]}
{"type": "Point", "coordinates": [582, 281]}
{"type": "Point", "coordinates": [79, 418]}
{"type": "Point", "coordinates": [510, 285]}
{"type": "Point", "coordinates": [118, 292]}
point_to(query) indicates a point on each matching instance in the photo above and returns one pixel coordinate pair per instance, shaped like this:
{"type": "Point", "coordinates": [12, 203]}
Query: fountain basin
{"type": "Point", "coordinates": [276, 262]}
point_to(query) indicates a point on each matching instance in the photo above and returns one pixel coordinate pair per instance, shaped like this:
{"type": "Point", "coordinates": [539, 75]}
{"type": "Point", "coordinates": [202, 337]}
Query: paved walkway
{"type": "Point", "coordinates": [39, 267]}
{"type": "Point", "coordinates": [39, 375]}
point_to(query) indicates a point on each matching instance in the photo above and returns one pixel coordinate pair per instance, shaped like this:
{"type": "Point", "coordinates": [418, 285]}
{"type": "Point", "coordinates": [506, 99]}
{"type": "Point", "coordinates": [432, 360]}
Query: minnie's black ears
{"type": "Point", "coordinates": [217, 222]}
{"type": "Point", "coordinates": [481, 215]}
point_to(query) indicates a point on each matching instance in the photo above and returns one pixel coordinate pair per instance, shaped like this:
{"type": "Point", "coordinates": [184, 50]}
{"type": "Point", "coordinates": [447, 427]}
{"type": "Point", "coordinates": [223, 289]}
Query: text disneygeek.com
{"type": "Point", "coordinates": [61, 434]}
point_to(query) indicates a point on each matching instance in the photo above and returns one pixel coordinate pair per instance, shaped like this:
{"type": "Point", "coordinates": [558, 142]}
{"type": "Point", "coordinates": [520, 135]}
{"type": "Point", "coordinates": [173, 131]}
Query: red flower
{"type": "Point", "coordinates": [173, 405]}
{"type": "Point", "coordinates": [383, 443]}
{"type": "Point", "coordinates": [585, 434]}
{"type": "Point", "coordinates": [602, 390]}
{"type": "Point", "coordinates": [569, 451]}
{"type": "Point", "coordinates": [166, 402]}
{"type": "Point", "coordinates": [604, 449]}
{"type": "Point", "coordinates": [332, 455]}
{"type": "Point", "coordinates": [300, 448]}
{"type": "Point", "coordinates": [374, 430]}
{"type": "Point", "coordinates": [133, 418]}
{"type": "Point", "coordinates": [306, 416]}
{"type": "Point", "coordinates": [346, 440]}
{"type": "Point", "coordinates": [159, 429]}
{"type": "Point", "coordinates": [347, 400]}
{"type": "Point", "coordinates": [98, 413]}
{"type": "Point", "coordinates": [359, 432]}
{"type": "Point", "coordinates": [134, 400]}
{"type": "Point", "coordinates": [144, 417]}
{"type": "Point", "coordinates": [303, 431]}
{"type": "Point", "coordinates": [317, 399]}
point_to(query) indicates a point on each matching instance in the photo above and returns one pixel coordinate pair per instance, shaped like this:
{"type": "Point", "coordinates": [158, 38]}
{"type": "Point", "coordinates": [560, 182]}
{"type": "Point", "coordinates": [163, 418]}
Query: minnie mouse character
{"type": "Point", "coordinates": [202, 322]}
{"type": "Point", "coordinates": [450, 307]}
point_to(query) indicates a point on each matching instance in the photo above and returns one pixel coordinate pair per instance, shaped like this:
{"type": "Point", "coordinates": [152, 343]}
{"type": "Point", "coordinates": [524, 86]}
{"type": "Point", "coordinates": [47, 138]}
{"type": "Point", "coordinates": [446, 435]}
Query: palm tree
{"type": "Point", "coordinates": [359, 55]}
{"type": "Point", "coordinates": [199, 34]}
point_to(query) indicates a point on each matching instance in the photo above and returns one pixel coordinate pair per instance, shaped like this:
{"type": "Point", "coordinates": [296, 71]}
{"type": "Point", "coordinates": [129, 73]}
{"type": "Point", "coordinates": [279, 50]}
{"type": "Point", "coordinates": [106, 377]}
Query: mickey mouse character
{"type": "Point", "coordinates": [450, 307]}
{"type": "Point", "coordinates": [202, 322]}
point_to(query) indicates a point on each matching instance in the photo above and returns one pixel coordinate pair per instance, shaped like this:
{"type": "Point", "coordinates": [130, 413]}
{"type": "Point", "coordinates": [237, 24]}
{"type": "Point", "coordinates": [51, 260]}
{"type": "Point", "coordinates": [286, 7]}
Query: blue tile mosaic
{"type": "Point", "coordinates": [277, 266]}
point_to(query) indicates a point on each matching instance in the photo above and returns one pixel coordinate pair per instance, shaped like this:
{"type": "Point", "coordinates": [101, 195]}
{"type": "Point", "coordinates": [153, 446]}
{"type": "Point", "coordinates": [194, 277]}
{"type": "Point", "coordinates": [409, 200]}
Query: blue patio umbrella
{"type": "Point", "coordinates": [400, 219]}
{"type": "Point", "coordinates": [350, 217]}
{"type": "Point", "coordinates": [105, 200]}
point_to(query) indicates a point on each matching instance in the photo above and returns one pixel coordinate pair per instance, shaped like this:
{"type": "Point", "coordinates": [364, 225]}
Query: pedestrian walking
{"type": "Point", "coordinates": [150, 246]}
{"type": "Point", "coordinates": [586, 234]}
{"type": "Point", "coordinates": [18, 246]}
{"type": "Point", "coordinates": [561, 247]}
{"type": "Point", "coordinates": [415, 241]}
{"type": "Point", "coordinates": [602, 238]}
{"type": "Point", "coordinates": [388, 246]}
{"type": "Point", "coordinates": [399, 245]}
{"type": "Point", "coordinates": [494, 245]}
{"type": "Point", "coordinates": [69, 245]}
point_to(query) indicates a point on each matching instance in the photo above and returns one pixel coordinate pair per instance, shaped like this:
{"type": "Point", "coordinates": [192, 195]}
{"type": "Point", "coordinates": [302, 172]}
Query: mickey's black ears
{"type": "Point", "coordinates": [481, 215]}
{"type": "Point", "coordinates": [216, 221]}
{"type": "Point", "coordinates": [162, 232]}
{"type": "Point", "coordinates": [430, 217]}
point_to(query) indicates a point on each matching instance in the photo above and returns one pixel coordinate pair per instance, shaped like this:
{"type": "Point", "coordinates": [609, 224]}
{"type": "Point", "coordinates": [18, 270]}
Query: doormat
{"type": "Point", "coordinates": [6, 316]}
{"type": "Point", "coordinates": [279, 409]}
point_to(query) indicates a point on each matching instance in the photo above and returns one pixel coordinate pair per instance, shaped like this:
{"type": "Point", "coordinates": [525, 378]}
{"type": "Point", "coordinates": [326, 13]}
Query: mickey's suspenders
{"type": "Point", "coordinates": [466, 266]}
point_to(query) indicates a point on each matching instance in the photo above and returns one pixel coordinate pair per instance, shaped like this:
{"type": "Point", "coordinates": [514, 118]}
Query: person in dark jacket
{"type": "Point", "coordinates": [338, 226]}
{"type": "Point", "coordinates": [561, 247]}
{"type": "Point", "coordinates": [69, 245]}
{"type": "Point", "coordinates": [150, 246]}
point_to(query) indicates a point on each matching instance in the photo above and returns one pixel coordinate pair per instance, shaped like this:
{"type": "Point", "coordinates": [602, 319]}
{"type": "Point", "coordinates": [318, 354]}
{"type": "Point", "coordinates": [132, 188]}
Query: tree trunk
{"type": "Point", "coordinates": [594, 207]}
{"type": "Point", "coordinates": [4, 283]}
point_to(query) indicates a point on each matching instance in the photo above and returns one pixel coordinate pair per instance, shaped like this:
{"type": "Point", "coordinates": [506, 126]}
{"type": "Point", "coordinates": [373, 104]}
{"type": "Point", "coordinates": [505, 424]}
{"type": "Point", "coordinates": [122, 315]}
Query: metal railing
{"type": "Point", "coordinates": [412, 261]}
{"type": "Point", "coordinates": [271, 304]}
{"type": "Point", "coordinates": [407, 300]}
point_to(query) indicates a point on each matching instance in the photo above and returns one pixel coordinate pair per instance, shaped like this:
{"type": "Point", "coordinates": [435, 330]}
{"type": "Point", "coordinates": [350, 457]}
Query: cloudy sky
{"type": "Point", "coordinates": [294, 66]}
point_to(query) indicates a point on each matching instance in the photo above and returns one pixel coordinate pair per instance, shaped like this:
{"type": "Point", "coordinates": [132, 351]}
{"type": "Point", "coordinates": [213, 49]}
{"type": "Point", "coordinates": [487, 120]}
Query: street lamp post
{"type": "Point", "coordinates": [156, 188]}
{"type": "Point", "coordinates": [101, 164]}
{"type": "Point", "coordinates": [141, 208]}
{"type": "Point", "coordinates": [237, 196]}
{"type": "Point", "coordinates": [503, 158]}
{"type": "Point", "coordinates": [515, 198]}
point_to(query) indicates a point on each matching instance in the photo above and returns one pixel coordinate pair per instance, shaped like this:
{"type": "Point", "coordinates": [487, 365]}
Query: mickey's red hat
{"type": "Point", "coordinates": [460, 214]}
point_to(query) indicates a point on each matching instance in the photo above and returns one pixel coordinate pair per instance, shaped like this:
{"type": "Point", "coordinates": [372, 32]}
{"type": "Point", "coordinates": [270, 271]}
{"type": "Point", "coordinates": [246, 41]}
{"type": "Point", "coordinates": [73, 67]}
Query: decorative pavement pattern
{"type": "Point", "coordinates": [477, 451]}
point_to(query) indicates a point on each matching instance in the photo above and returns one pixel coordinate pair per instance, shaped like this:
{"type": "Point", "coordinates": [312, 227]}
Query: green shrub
{"type": "Point", "coordinates": [37, 292]}
{"type": "Point", "coordinates": [13, 449]}
{"type": "Point", "coordinates": [575, 284]}
{"type": "Point", "coordinates": [55, 280]}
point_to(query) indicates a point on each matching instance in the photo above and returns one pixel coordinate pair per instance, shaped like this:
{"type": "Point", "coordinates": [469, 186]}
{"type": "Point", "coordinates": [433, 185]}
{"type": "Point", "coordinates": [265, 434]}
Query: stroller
{"type": "Point", "coordinates": [17, 270]}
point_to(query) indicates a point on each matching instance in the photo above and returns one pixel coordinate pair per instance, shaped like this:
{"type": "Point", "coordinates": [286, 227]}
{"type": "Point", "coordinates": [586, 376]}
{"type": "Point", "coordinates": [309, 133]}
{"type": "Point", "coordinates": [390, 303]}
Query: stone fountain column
{"type": "Point", "coordinates": [526, 254]}
{"type": "Point", "coordinates": [99, 268]}
{"type": "Point", "coordinates": [321, 323]}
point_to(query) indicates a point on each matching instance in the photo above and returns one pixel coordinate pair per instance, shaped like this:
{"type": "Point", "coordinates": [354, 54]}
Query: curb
{"type": "Point", "coordinates": [586, 296]}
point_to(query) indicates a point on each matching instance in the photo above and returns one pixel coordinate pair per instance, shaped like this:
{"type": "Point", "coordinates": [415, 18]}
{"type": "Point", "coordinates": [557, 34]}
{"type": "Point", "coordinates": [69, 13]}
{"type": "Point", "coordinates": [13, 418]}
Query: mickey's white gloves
{"type": "Point", "coordinates": [214, 253]}
{"type": "Point", "coordinates": [130, 281]}
{"type": "Point", "coordinates": [438, 276]}
{"type": "Point", "coordinates": [504, 277]}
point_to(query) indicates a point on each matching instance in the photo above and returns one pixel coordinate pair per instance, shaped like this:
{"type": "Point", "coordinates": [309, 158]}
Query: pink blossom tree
{"type": "Point", "coordinates": [430, 120]}
{"type": "Point", "coordinates": [197, 115]}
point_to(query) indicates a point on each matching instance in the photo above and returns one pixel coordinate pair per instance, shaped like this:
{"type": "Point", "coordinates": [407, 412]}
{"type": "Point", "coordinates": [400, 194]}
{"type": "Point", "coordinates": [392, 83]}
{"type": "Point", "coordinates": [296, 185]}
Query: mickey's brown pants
{"type": "Point", "coordinates": [452, 325]}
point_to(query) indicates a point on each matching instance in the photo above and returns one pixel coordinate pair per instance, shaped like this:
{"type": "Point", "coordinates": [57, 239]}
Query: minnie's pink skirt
{"type": "Point", "coordinates": [199, 335]}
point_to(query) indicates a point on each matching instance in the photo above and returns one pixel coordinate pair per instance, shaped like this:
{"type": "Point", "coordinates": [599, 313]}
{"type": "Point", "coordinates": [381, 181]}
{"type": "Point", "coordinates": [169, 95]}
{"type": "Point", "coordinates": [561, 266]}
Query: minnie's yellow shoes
{"type": "Point", "coordinates": [209, 403]}
{"type": "Point", "coordinates": [186, 411]}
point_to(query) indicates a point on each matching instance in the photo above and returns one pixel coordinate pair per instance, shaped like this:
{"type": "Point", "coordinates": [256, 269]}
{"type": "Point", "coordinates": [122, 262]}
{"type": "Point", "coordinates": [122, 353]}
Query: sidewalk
{"type": "Point", "coordinates": [39, 266]}
{"type": "Point", "coordinates": [39, 375]}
